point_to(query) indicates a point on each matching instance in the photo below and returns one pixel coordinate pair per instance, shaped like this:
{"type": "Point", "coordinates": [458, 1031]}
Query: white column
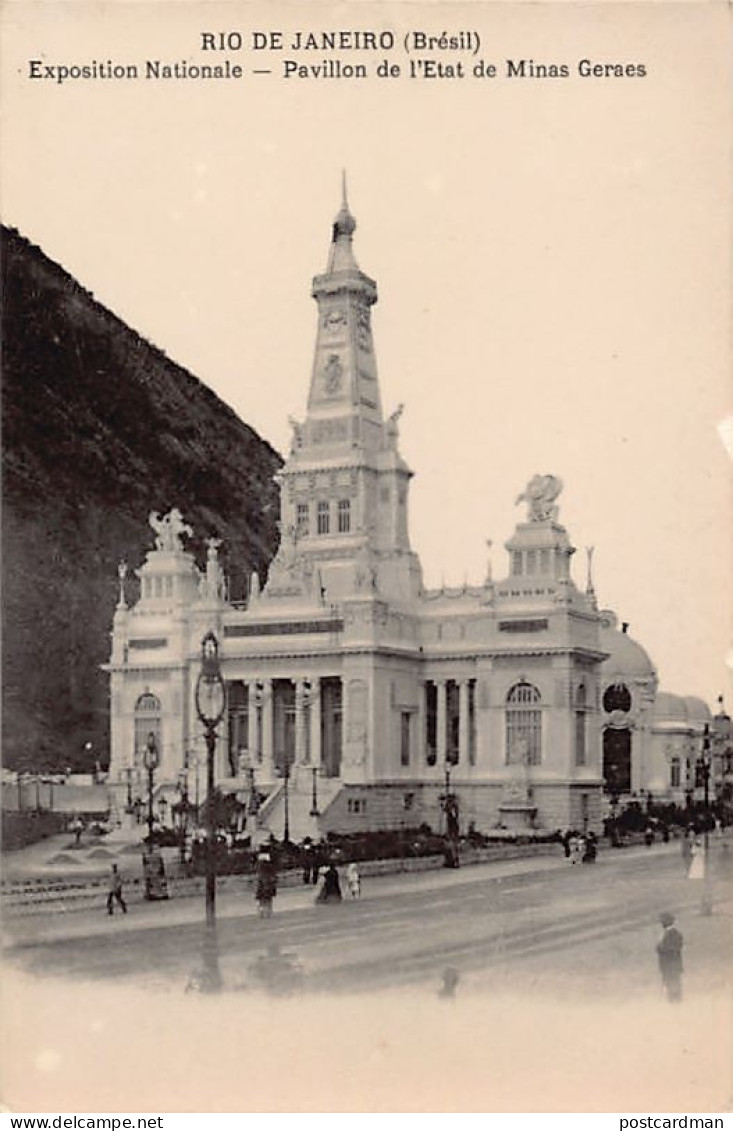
{"type": "Point", "coordinates": [268, 716]}
{"type": "Point", "coordinates": [253, 737]}
{"type": "Point", "coordinates": [441, 720]}
{"type": "Point", "coordinates": [300, 747]}
{"type": "Point", "coordinates": [315, 721]}
{"type": "Point", "coordinates": [420, 741]}
{"type": "Point", "coordinates": [463, 722]}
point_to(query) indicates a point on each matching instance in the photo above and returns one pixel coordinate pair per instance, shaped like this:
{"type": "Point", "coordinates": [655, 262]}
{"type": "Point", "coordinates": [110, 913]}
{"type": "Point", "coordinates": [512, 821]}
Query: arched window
{"type": "Point", "coordinates": [147, 721]}
{"type": "Point", "coordinates": [617, 697]}
{"type": "Point", "coordinates": [523, 725]}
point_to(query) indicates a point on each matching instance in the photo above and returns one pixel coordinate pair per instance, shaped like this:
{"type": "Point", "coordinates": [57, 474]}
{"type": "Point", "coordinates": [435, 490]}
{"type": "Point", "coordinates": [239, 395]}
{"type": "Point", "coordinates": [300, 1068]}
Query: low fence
{"type": "Point", "coordinates": [29, 897]}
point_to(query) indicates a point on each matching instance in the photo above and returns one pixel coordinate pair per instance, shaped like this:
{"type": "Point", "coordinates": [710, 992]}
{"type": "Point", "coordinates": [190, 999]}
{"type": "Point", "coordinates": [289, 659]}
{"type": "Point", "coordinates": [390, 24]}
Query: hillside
{"type": "Point", "coordinates": [99, 428]}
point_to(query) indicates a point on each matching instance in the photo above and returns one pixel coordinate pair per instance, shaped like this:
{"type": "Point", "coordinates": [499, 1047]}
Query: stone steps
{"type": "Point", "coordinates": [271, 818]}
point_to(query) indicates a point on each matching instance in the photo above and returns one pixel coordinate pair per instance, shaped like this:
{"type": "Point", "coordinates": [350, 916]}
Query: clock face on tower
{"type": "Point", "coordinates": [334, 320]}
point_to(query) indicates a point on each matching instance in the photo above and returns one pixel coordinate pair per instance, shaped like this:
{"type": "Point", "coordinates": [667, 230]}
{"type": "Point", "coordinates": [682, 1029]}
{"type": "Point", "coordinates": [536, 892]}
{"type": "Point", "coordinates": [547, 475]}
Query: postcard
{"type": "Point", "coordinates": [366, 557]}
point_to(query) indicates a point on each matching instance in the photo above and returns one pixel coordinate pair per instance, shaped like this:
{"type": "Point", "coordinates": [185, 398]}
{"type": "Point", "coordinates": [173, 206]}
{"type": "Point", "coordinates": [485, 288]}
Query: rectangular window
{"type": "Point", "coordinates": [472, 722]}
{"type": "Point", "coordinates": [516, 563]}
{"type": "Point", "coordinates": [405, 738]}
{"type": "Point", "coordinates": [675, 777]}
{"type": "Point", "coordinates": [344, 516]}
{"type": "Point", "coordinates": [431, 723]}
{"type": "Point", "coordinates": [301, 518]}
{"type": "Point", "coordinates": [324, 518]}
{"type": "Point", "coordinates": [524, 737]}
{"type": "Point", "coordinates": [580, 738]}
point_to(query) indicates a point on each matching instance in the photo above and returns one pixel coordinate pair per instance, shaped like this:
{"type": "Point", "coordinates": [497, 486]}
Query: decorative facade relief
{"type": "Point", "coordinates": [330, 431]}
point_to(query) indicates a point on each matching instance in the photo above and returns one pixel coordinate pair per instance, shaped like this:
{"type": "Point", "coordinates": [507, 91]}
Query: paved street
{"type": "Point", "coordinates": [487, 921]}
{"type": "Point", "coordinates": [558, 1005]}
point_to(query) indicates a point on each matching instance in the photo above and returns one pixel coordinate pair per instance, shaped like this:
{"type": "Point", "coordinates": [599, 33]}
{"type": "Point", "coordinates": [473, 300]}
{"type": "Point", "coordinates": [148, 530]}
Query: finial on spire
{"type": "Point", "coordinates": [589, 584]}
{"type": "Point", "coordinates": [344, 224]}
{"type": "Point", "coordinates": [122, 574]}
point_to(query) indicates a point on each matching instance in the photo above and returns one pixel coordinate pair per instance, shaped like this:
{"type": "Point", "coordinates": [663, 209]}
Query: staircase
{"type": "Point", "coordinates": [271, 817]}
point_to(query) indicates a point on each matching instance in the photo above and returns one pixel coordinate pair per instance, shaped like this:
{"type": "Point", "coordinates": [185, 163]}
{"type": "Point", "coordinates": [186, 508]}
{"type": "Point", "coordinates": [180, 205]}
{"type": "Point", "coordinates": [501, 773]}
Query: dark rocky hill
{"type": "Point", "coordinates": [99, 428]}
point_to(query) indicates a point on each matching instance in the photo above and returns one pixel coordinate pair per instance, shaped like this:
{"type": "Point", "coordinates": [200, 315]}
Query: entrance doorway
{"type": "Point", "coordinates": [283, 745]}
{"type": "Point", "coordinates": [617, 760]}
{"type": "Point", "coordinates": [331, 726]}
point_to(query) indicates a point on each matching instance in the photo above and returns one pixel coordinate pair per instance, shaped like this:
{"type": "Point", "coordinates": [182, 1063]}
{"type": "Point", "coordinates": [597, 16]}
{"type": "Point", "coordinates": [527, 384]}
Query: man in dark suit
{"type": "Point", "coordinates": [669, 953]}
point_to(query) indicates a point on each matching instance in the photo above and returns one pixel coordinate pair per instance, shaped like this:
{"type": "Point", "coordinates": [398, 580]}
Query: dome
{"type": "Point", "coordinates": [670, 708]}
{"type": "Point", "coordinates": [344, 224]}
{"type": "Point", "coordinates": [627, 659]}
{"type": "Point", "coordinates": [697, 709]}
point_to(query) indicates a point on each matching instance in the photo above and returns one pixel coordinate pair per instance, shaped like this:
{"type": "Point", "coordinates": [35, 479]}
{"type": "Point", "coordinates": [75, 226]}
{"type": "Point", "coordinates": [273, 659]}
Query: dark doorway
{"type": "Point", "coordinates": [331, 726]}
{"type": "Point", "coordinates": [617, 760]}
{"type": "Point", "coordinates": [283, 691]}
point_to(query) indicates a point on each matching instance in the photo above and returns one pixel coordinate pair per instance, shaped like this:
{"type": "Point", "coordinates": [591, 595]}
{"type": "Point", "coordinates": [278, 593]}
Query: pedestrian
{"type": "Point", "coordinates": [697, 860]}
{"type": "Point", "coordinates": [649, 836]}
{"type": "Point", "coordinates": [316, 864]}
{"type": "Point", "coordinates": [687, 840]}
{"type": "Point", "coordinates": [451, 977]}
{"type": "Point", "coordinates": [591, 848]}
{"type": "Point", "coordinates": [265, 884]}
{"type": "Point", "coordinates": [669, 954]}
{"type": "Point", "coordinates": [577, 848]}
{"type": "Point", "coordinates": [330, 892]}
{"type": "Point", "coordinates": [353, 879]}
{"type": "Point", "coordinates": [115, 892]}
{"type": "Point", "coordinates": [565, 842]}
{"type": "Point", "coordinates": [307, 860]}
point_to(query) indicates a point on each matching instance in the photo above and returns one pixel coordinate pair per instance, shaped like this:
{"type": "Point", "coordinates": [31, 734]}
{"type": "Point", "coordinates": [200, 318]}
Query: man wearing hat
{"type": "Point", "coordinates": [669, 953]}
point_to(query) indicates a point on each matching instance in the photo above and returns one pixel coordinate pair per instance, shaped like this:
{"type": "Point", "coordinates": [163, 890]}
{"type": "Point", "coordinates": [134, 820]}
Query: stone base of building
{"type": "Point", "coordinates": [482, 808]}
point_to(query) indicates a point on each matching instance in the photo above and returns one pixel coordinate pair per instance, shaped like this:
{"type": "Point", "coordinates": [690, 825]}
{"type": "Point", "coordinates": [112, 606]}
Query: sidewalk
{"type": "Point", "coordinates": [183, 910]}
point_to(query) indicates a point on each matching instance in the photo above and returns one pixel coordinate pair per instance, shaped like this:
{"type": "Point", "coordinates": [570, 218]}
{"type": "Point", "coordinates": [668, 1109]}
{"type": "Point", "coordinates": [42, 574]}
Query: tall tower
{"type": "Point", "coordinates": [344, 487]}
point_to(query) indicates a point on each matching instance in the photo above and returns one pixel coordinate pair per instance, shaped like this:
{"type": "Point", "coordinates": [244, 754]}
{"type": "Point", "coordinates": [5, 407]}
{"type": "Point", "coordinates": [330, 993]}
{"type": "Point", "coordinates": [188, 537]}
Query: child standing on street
{"type": "Point", "coordinates": [353, 879]}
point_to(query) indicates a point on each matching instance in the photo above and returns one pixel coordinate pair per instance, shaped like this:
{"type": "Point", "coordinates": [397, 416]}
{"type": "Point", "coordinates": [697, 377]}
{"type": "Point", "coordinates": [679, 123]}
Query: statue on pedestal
{"type": "Point", "coordinates": [539, 495]}
{"type": "Point", "coordinates": [518, 790]}
{"type": "Point", "coordinates": [169, 529]}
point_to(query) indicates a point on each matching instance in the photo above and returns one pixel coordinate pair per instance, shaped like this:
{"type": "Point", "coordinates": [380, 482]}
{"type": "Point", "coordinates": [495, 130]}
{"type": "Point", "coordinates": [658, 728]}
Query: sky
{"type": "Point", "coordinates": [552, 258]}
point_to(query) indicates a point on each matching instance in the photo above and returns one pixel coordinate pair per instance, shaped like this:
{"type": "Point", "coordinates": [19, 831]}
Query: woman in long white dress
{"type": "Point", "coordinates": [697, 864]}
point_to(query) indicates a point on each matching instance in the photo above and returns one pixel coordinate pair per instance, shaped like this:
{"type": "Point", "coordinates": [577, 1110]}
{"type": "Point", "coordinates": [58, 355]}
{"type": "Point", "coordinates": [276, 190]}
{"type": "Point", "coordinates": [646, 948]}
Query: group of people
{"type": "Point", "coordinates": [580, 848]}
{"type": "Point", "coordinates": [325, 876]}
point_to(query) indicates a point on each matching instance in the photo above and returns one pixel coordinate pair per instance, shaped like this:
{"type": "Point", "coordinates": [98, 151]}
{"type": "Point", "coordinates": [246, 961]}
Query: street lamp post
{"type": "Point", "coordinates": [314, 799]}
{"type": "Point", "coordinates": [151, 759]}
{"type": "Point", "coordinates": [286, 800]}
{"type": "Point", "coordinates": [210, 706]}
{"type": "Point", "coordinates": [704, 762]}
{"type": "Point", "coordinates": [129, 771]}
{"type": "Point", "coordinates": [183, 814]}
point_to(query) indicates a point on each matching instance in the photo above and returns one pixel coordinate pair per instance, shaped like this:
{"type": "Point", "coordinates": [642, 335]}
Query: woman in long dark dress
{"type": "Point", "coordinates": [331, 890]}
{"type": "Point", "coordinates": [266, 885]}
